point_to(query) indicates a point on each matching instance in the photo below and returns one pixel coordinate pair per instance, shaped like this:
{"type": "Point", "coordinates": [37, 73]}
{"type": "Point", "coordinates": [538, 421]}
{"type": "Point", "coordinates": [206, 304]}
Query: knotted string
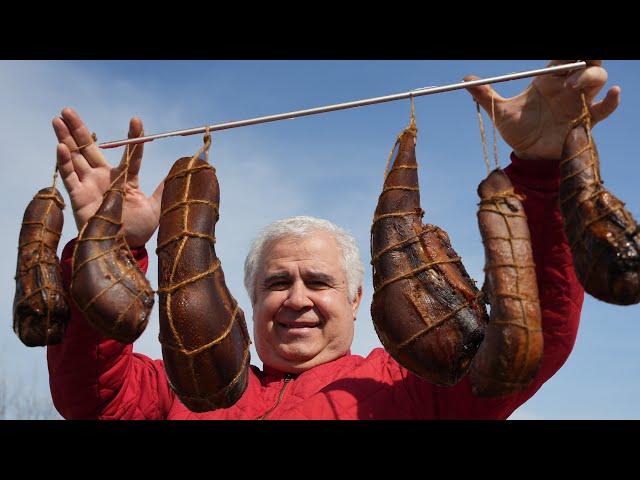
{"type": "Point", "coordinates": [94, 138]}
{"type": "Point", "coordinates": [483, 136]}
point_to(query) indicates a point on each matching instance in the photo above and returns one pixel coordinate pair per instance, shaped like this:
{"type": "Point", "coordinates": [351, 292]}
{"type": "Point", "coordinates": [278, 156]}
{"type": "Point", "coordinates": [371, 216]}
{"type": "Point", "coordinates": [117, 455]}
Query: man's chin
{"type": "Point", "coordinates": [297, 357]}
{"type": "Point", "coordinates": [298, 360]}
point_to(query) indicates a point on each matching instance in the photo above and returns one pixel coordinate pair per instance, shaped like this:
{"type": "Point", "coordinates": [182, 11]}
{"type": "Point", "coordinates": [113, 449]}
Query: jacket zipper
{"type": "Point", "coordinates": [287, 378]}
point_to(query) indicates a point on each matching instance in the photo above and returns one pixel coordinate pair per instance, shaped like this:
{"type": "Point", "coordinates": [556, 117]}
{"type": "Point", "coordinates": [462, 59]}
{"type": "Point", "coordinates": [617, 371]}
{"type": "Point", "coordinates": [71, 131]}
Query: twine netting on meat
{"type": "Point", "coordinates": [427, 263]}
{"type": "Point", "coordinates": [182, 237]}
{"type": "Point", "coordinates": [585, 120]}
{"type": "Point", "coordinates": [593, 190]}
{"type": "Point", "coordinates": [42, 258]}
{"type": "Point", "coordinates": [507, 205]}
{"type": "Point", "coordinates": [596, 184]}
{"type": "Point", "coordinates": [410, 129]}
{"type": "Point", "coordinates": [496, 205]}
{"type": "Point", "coordinates": [493, 204]}
{"type": "Point", "coordinates": [497, 201]}
{"type": "Point", "coordinates": [117, 186]}
{"type": "Point", "coordinates": [185, 233]}
{"type": "Point", "coordinates": [436, 323]}
{"type": "Point", "coordinates": [45, 228]}
{"type": "Point", "coordinates": [173, 340]}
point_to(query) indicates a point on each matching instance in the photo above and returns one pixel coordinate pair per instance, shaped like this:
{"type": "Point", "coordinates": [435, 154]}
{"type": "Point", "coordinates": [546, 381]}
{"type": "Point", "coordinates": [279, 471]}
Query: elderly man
{"type": "Point", "coordinates": [304, 278]}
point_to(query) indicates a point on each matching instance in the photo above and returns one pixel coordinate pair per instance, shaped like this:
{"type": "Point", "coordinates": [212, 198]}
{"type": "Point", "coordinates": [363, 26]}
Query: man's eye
{"type": "Point", "coordinates": [317, 284]}
{"type": "Point", "coordinates": [278, 285]}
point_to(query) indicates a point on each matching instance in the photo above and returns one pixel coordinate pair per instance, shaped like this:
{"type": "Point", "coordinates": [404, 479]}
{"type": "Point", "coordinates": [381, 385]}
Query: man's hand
{"type": "Point", "coordinates": [536, 122]}
{"type": "Point", "coordinates": [87, 175]}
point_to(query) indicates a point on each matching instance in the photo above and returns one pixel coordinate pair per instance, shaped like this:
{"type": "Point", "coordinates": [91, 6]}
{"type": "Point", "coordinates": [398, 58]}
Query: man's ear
{"type": "Point", "coordinates": [355, 305]}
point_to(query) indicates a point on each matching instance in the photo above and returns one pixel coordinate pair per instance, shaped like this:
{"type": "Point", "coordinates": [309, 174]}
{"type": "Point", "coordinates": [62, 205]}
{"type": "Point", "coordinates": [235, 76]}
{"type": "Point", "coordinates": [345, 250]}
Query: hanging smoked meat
{"type": "Point", "coordinates": [511, 351]}
{"type": "Point", "coordinates": [40, 309]}
{"type": "Point", "coordinates": [107, 283]}
{"type": "Point", "coordinates": [426, 309]}
{"type": "Point", "coordinates": [205, 342]}
{"type": "Point", "coordinates": [603, 235]}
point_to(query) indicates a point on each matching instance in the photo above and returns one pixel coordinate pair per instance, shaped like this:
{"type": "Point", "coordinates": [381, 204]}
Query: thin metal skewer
{"type": "Point", "coordinates": [342, 106]}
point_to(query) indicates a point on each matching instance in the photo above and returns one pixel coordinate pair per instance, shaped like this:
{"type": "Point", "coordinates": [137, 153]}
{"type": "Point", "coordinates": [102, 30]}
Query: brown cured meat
{"type": "Point", "coordinates": [604, 237]}
{"type": "Point", "coordinates": [205, 342]}
{"type": "Point", "coordinates": [40, 309]}
{"type": "Point", "coordinates": [426, 309]}
{"type": "Point", "coordinates": [511, 351]}
{"type": "Point", "coordinates": [107, 283]}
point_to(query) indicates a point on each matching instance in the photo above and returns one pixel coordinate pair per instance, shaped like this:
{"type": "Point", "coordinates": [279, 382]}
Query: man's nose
{"type": "Point", "coordinates": [298, 297]}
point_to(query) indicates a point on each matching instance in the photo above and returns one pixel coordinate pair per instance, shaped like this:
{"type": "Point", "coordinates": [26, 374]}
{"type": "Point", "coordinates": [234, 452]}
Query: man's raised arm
{"type": "Point", "coordinates": [94, 377]}
{"type": "Point", "coordinates": [91, 376]}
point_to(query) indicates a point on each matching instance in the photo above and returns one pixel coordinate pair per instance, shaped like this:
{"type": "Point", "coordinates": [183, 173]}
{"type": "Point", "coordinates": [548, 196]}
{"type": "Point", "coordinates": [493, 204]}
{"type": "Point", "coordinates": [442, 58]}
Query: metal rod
{"type": "Point", "coordinates": [342, 106]}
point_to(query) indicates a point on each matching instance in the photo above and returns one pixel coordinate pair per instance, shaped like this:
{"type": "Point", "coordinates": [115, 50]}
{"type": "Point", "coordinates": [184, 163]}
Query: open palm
{"type": "Point", "coordinates": [536, 122]}
{"type": "Point", "coordinates": [87, 175]}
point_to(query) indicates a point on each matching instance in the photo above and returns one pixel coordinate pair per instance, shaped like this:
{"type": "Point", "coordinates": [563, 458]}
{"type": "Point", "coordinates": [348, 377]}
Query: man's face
{"type": "Point", "coordinates": [302, 315]}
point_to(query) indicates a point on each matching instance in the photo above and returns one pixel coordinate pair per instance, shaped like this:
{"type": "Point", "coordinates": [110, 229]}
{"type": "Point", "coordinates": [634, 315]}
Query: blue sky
{"type": "Point", "coordinates": [329, 165]}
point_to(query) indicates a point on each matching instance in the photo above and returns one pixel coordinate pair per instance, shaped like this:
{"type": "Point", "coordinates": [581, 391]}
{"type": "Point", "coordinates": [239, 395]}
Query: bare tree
{"type": "Point", "coordinates": [24, 401]}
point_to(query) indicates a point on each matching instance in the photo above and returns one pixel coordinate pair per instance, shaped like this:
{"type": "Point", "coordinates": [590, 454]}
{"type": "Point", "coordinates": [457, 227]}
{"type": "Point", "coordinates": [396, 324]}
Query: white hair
{"type": "Point", "coordinates": [300, 227]}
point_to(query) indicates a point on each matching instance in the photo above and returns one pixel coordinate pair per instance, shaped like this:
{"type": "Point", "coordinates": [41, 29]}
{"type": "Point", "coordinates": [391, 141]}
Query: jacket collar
{"type": "Point", "coordinates": [273, 374]}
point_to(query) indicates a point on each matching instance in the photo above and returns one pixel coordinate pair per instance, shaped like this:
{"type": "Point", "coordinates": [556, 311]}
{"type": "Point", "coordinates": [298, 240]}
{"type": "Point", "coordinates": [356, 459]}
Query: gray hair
{"type": "Point", "coordinates": [300, 227]}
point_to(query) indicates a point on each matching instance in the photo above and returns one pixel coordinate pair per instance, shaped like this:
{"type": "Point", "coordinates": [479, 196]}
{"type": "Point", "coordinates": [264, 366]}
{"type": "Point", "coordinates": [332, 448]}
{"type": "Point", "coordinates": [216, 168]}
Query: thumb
{"type": "Point", "coordinates": [156, 198]}
{"type": "Point", "coordinates": [483, 93]}
{"type": "Point", "coordinates": [606, 107]}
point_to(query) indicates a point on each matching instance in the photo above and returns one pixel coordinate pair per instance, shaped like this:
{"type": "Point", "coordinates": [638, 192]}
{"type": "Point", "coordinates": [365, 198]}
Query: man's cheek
{"type": "Point", "coordinates": [327, 304]}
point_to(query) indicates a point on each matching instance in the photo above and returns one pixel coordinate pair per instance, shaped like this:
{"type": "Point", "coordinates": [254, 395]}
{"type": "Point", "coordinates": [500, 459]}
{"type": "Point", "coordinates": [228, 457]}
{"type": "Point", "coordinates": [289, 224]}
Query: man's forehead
{"type": "Point", "coordinates": [304, 265]}
{"type": "Point", "coordinates": [313, 253]}
{"type": "Point", "coordinates": [317, 244]}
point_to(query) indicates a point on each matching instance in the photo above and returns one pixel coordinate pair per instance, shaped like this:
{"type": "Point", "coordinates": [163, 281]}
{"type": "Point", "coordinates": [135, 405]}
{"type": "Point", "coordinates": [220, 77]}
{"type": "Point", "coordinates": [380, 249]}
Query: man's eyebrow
{"type": "Point", "coordinates": [324, 277]}
{"type": "Point", "coordinates": [276, 276]}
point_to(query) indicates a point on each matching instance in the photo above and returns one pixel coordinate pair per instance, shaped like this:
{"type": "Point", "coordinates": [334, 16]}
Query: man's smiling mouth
{"type": "Point", "coordinates": [296, 325]}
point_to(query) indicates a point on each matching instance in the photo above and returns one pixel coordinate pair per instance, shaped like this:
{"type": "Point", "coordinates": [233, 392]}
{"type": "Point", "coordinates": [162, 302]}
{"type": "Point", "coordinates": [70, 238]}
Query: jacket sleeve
{"type": "Point", "coordinates": [561, 297]}
{"type": "Point", "coordinates": [92, 377]}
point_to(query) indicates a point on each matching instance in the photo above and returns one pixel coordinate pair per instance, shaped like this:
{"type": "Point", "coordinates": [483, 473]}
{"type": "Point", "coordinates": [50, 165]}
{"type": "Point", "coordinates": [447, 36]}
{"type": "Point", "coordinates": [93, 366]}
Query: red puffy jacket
{"type": "Point", "coordinates": [92, 377]}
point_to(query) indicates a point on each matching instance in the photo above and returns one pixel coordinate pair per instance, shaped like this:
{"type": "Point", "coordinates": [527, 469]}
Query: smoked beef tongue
{"type": "Point", "coordinates": [40, 308]}
{"type": "Point", "coordinates": [511, 351]}
{"type": "Point", "coordinates": [205, 343]}
{"type": "Point", "coordinates": [427, 311]}
{"type": "Point", "coordinates": [106, 282]}
{"type": "Point", "coordinates": [603, 236]}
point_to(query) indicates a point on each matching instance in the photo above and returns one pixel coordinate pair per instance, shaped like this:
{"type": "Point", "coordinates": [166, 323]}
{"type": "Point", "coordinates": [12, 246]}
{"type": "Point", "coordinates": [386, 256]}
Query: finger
{"type": "Point", "coordinates": [607, 106]}
{"type": "Point", "coordinates": [590, 81]}
{"type": "Point", "coordinates": [136, 129]}
{"type": "Point", "coordinates": [483, 94]}
{"type": "Point", "coordinates": [65, 167]}
{"type": "Point", "coordinates": [553, 63]}
{"type": "Point", "coordinates": [590, 63]}
{"type": "Point", "coordinates": [83, 138]}
{"type": "Point", "coordinates": [80, 164]}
